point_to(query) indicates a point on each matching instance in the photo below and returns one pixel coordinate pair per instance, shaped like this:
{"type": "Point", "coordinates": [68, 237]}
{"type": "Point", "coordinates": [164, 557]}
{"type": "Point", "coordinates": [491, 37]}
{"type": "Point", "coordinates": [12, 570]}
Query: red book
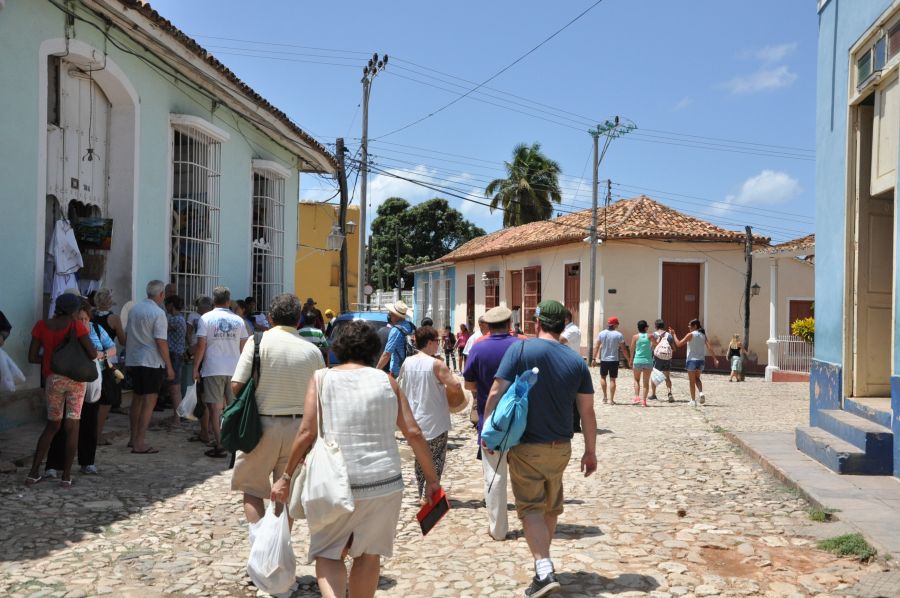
{"type": "Point", "coordinates": [429, 515]}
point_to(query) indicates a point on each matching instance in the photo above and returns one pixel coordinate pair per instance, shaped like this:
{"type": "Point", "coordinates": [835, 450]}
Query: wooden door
{"type": "Point", "coordinates": [572, 292]}
{"type": "Point", "coordinates": [798, 309]}
{"type": "Point", "coordinates": [470, 301]}
{"type": "Point", "coordinates": [492, 290]}
{"type": "Point", "coordinates": [873, 281]}
{"type": "Point", "coordinates": [680, 298]}
{"type": "Point", "coordinates": [531, 297]}
{"type": "Point", "coordinates": [515, 289]}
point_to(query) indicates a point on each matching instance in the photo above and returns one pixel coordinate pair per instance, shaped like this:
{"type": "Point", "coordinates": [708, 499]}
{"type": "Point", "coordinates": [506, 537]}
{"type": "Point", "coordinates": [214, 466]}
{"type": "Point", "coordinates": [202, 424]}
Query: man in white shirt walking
{"type": "Point", "coordinates": [147, 360]}
{"type": "Point", "coordinates": [571, 337]}
{"type": "Point", "coordinates": [221, 335]}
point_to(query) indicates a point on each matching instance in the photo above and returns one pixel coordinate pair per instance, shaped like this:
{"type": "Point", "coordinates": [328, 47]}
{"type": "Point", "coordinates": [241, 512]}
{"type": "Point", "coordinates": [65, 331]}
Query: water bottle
{"type": "Point", "coordinates": [526, 380]}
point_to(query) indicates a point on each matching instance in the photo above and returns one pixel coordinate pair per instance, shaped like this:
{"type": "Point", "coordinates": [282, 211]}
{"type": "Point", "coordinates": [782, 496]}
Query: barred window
{"type": "Point", "coordinates": [196, 170]}
{"type": "Point", "coordinates": [267, 231]}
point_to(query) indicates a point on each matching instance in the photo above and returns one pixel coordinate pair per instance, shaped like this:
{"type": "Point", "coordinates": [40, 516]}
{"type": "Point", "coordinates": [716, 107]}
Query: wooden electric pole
{"type": "Point", "coordinates": [342, 223]}
{"type": "Point", "coordinates": [748, 257]}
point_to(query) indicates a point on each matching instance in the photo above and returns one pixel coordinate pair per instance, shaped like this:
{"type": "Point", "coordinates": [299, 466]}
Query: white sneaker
{"type": "Point", "coordinates": [702, 398]}
{"type": "Point", "coordinates": [692, 403]}
{"type": "Point", "coordinates": [89, 470]}
{"type": "Point", "coordinates": [50, 473]}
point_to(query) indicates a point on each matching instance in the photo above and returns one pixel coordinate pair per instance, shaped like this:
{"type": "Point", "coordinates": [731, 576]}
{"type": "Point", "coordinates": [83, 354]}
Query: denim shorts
{"type": "Point", "coordinates": [695, 365]}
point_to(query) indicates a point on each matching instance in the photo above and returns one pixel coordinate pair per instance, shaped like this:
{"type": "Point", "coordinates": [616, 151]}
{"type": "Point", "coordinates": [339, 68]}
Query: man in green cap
{"type": "Point", "coordinates": [536, 465]}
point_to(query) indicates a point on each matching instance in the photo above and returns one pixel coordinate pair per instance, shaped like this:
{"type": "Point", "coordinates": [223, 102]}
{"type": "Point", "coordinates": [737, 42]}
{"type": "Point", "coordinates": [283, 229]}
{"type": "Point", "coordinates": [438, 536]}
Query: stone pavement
{"type": "Point", "coordinates": [674, 510]}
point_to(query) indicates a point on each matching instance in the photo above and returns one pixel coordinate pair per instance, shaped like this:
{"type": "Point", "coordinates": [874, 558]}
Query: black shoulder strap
{"type": "Point", "coordinates": [521, 354]}
{"type": "Point", "coordinates": [257, 339]}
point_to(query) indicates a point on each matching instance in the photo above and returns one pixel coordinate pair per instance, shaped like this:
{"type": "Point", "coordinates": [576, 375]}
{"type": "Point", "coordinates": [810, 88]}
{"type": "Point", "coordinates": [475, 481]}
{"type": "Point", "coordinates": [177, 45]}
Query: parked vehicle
{"type": "Point", "coordinates": [378, 319]}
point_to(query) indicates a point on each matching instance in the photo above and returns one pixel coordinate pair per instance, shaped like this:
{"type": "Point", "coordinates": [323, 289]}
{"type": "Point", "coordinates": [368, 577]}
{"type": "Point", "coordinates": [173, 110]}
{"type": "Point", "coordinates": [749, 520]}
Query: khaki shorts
{"type": "Point", "coordinates": [217, 389]}
{"type": "Point", "coordinates": [254, 471]}
{"type": "Point", "coordinates": [536, 472]}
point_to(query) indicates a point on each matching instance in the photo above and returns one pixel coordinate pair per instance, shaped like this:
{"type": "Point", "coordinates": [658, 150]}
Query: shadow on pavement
{"type": "Point", "coordinates": [466, 504]}
{"type": "Point", "coordinates": [591, 583]}
{"type": "Point", "coordinates": [573, 530]}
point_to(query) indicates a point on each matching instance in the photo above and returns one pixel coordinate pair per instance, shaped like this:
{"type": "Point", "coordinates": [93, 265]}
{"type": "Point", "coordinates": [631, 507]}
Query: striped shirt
{"type": "Point", "coordinates": [287, 363]}
{"type": "Point", "coordinates": [314, 335]}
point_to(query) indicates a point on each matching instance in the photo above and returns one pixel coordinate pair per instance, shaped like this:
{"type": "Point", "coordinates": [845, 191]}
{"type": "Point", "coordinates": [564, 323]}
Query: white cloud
{"type": "Point", "coordinates": [765, 79]}
{"type": "Point", "coordinates": [775, 53]}
{"type": "Point", "coordinates": [683, 103]}
{"type": "Point", "coordinates": [768, 188]}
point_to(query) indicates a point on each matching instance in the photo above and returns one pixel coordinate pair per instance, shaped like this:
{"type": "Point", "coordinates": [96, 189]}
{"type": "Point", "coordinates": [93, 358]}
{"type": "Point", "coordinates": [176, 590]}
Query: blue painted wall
{"type": "Point", "coordinates": [841, 23]}
{"type": "Point", "coordinates": [24, 26]}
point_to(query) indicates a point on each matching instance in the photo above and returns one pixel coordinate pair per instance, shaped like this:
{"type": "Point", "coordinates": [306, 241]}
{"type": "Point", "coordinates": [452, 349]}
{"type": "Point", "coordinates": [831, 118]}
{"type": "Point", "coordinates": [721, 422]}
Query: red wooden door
{"type": "Point", "coordinates": [680, 298]}
{"type": "Point", "coordinates": [572, 293]}
{"type": "Point", "coordinates": [799, 309]}
{"type": "Point", "coordinates": [531, 297]}
{"type": "Point", "coordinates": [470, 301]}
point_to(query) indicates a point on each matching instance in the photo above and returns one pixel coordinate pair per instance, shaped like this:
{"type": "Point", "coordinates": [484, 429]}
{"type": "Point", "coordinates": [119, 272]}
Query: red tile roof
{"type": "Point", "coordinates": [807, 243]}
{"type": "Point", "coordinates": [636, 218]}
{"type": "Point", "coordinates": [147, 11]}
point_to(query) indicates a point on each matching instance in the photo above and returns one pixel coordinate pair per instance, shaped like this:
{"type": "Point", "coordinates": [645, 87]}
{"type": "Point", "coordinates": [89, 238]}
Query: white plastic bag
{"type": "Point", "coordinates": [187, 404]}
{"type": "Point", "coordinates": [272, 566]}
{"type": "Point", "coordinates": [657, 377]}
{"type": "Point", "coordinates": [10, 374]}
{"type": "Point", "coordinates": [94, 388]}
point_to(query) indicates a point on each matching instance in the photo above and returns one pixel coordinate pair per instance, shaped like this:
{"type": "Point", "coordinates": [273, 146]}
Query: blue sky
{"type": "Point", "coordinates": [722, 94]}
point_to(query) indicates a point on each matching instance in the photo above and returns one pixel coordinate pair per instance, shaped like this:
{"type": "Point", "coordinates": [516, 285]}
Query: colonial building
{"type": "Point", "coordinates": [855, 386]}
{"type": "Point", "coordinates": [125, 140]}
{"type": "Point", "coordinates": [652, 262]}
{"type": "Point", "coordinates": [318, 266]}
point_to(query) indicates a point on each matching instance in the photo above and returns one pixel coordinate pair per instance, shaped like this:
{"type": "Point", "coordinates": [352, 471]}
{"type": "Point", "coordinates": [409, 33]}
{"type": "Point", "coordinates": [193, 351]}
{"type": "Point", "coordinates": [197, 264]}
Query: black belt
{"type": "Point", "coordinates": [292, 415]}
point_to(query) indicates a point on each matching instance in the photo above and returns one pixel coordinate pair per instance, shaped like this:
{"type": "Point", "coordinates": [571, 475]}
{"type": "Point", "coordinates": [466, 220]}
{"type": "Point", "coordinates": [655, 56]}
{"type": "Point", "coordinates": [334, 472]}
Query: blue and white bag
{"type": "Point", "coordinates": [504, 428]}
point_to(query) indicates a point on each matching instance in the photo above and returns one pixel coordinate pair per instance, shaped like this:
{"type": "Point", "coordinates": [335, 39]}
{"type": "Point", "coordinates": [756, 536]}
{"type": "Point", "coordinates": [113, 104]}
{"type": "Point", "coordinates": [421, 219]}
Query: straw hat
{"type": "Point", "coordinates": [398, 308]}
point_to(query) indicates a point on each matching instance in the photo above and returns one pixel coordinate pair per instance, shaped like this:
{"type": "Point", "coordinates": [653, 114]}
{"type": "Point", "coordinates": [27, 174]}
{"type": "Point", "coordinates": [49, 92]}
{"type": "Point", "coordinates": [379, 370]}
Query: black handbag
{"type": "Point", "coordinates": [70, 360]}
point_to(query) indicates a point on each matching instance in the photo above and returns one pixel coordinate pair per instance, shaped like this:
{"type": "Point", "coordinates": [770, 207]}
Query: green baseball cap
{"type": "Point", "coordinates": [550, 312]}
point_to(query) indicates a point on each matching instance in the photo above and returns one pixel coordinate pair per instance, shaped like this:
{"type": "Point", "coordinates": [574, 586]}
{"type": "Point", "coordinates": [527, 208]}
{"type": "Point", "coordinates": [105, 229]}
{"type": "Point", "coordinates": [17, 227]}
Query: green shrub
{"type": "Point", "coordinates": [805, 328]}
{"type": "Point", "coordinates": [849, 545]}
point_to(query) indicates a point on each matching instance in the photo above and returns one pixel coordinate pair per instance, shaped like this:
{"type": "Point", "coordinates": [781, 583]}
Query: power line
{"type": "Point", "coordinates": [498, 73]}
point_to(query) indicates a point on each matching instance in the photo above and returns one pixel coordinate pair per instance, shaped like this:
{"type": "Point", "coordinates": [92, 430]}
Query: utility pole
{"type": "Point", "coordinates": [611, 129]}
{"type": "Point", "coordinates": [342, 222]}
{"type": "Point", "coordinates": [748, 257]}
{"type": "Point", "coordinates": [595, 135]}
{"type": "Point", "coordinates": [372, 69]}
{"type": "Point", "coordinates": [397, 241]}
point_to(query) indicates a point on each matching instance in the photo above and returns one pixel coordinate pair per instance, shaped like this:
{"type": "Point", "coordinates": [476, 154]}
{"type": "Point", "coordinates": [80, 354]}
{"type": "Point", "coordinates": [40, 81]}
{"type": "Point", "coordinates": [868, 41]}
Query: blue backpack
{"type": "Point", "coordinates": [504, 429]}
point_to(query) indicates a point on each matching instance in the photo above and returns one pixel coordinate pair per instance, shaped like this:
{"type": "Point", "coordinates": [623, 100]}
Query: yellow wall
{"type": "Point", "coordinates": [316, 269]}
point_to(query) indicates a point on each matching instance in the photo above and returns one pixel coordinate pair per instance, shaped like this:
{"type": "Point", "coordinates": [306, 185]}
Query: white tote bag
{"type": "Point", "coordinates": [326, 494]}
{"type": "Point", "coordinates": [94, 388]}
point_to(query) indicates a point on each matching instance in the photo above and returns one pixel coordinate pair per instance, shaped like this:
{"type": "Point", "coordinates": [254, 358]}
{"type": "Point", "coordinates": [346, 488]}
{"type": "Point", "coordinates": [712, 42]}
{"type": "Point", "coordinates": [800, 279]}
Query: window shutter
{"type": "Point", "coordinates": [894, 40]}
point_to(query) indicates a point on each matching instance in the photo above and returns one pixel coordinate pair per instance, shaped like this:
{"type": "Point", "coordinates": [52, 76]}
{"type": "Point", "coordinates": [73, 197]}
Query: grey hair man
{"type": "Point", "coordinates": [221, 335]}
{"type": "Point", "coordinates": [287, 364]}
{"type": "Point", "coordinates": [147, 359]}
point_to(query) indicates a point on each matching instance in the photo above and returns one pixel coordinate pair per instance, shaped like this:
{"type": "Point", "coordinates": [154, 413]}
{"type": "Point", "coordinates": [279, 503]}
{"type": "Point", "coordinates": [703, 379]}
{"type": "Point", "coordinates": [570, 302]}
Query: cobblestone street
{"type": "Point", "coordinates": [674, 510]}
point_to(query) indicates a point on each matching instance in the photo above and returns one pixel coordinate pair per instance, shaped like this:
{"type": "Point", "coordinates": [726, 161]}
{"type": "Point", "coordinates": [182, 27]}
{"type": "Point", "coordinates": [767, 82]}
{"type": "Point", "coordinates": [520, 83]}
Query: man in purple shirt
{"type": "Point", "coordinates": [481, 367]}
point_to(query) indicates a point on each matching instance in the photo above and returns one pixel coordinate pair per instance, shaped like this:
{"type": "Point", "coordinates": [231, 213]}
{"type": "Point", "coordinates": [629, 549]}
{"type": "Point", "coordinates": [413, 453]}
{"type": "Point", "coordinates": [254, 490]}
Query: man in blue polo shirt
{"type": "Point", "coordinates": [395, 349]}
{"type": "Point", "coordinates": [536, 465]}
{"type": "Point", "coordinates": [481, 367]}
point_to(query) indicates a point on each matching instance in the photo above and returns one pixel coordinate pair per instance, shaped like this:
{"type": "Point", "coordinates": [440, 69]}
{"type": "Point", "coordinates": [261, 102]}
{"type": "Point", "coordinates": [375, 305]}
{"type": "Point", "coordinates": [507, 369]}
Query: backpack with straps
{"type": "Point", "coordinates": [663, 349]}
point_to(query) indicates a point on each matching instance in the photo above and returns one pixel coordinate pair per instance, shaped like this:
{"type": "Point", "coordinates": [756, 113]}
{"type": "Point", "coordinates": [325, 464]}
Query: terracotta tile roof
{"type": "Point", "coordinates": [637, 218]}
{"type": "Point", "coordinates": [147, 11]}
{"type": "Point", "coordinates": [807, 244]}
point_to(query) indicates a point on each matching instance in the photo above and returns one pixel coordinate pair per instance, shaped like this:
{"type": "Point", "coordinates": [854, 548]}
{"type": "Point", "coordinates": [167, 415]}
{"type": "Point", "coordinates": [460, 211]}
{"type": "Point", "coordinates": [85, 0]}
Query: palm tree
{"type": "Point", "coordinates": [530, 188]}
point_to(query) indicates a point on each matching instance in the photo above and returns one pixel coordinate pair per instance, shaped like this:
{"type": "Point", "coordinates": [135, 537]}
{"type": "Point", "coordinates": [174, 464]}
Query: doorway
{"type": "Point", "coordinates": [680, 299]}
{"type": "Point", "coordinates": [572, 290]}
{"type": "Point", "coordinates": [870, 259]}
{"type": "Point", "coordinates": [470, 301]}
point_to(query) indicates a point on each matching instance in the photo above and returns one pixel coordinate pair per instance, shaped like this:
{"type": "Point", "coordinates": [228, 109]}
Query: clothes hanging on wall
{"type": "Point", "coordinates": [67, 261]}
{"type": "Point", "coordinates": [10, 374]}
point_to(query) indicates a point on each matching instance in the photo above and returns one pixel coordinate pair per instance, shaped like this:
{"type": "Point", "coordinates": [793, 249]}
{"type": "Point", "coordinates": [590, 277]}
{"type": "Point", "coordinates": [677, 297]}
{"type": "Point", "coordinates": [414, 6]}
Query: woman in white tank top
{"type": "Point", "coordinates": [361, 409]}
{"type": "Point", "coordinates": [430, 387]}
{"type": "Point", "coordinates": [697, 348]}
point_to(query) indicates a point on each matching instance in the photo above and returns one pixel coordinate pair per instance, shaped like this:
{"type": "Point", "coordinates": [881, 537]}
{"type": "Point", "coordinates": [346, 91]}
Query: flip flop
{"type": "Point", "coordinates": [147, 451]}
{"type": "Point", "coordinates": [104, 442]}
{"type": "Point", "coordinates": [65, 483]}
{"type": "Point", "coordinates": [30, 481]}
{"type": "Point", "coordinates": [216, 453]}
{"type": "Point", "coordinates": [197, 438]}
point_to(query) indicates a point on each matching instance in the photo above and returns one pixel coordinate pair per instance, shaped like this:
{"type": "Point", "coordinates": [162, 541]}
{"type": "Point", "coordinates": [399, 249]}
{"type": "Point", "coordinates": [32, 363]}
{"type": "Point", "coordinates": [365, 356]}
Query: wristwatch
{"type": "Point", "coordinates": [286, 477]}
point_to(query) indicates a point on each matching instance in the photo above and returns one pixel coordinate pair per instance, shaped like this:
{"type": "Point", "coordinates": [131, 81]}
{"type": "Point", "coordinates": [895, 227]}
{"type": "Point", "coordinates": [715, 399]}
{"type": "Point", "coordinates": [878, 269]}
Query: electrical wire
{"type": "Point", "coordinates": [495, 75]}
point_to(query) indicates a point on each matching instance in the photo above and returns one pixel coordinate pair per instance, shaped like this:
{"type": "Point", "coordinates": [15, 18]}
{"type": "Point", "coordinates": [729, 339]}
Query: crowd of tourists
{"type": "Point", "coordinates": [399, 377]}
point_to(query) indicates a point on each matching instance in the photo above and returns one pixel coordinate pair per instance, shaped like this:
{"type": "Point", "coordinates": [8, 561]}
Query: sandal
{"type": "Point", "coordinates": [30, 481]}
{"type": "Point", "coordinates": [65, 483]}
{"type": "Point", "coordinates": [217, 453]}
{"type": "Point", "coordinates": [198, 438]}
{"type": "Point", "coordinates": [147, 451]}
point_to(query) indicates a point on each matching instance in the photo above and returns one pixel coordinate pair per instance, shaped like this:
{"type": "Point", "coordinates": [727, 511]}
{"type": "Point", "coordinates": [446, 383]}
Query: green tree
{"type": "Point", "coordinates": [423, 232]}
{"type": "Point", "coordinates": [530, 188]}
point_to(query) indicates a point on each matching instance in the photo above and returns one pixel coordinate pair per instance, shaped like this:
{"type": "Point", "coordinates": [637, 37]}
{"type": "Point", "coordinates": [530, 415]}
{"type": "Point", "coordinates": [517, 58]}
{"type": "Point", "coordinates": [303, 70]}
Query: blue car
{"type": "Point", "coordinates": [377, 319]}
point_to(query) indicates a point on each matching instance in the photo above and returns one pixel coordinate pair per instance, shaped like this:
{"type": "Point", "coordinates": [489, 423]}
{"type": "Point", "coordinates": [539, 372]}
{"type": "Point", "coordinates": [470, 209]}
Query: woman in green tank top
{"type": "Point", "coordinates": [641, 363]}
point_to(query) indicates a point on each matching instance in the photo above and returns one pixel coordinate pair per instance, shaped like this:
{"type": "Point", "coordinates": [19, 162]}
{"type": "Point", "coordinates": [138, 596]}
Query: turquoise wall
{"type": "Point", "coordinates": [24, 26]}
{"type": "Point", "coordinates": [841, 23]}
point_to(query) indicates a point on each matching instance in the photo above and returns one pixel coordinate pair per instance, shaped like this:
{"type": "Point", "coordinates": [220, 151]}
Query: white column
{"type": "Point", "coordinates": [772, 343]}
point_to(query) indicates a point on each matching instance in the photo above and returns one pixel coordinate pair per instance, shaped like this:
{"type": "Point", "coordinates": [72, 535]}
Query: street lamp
{"type": "Point", "coordinates": [754, 290]}
{"type": "Point", "coordinates": [350, 227]}
{"type": "Point", "coordinates": [335, 239]}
